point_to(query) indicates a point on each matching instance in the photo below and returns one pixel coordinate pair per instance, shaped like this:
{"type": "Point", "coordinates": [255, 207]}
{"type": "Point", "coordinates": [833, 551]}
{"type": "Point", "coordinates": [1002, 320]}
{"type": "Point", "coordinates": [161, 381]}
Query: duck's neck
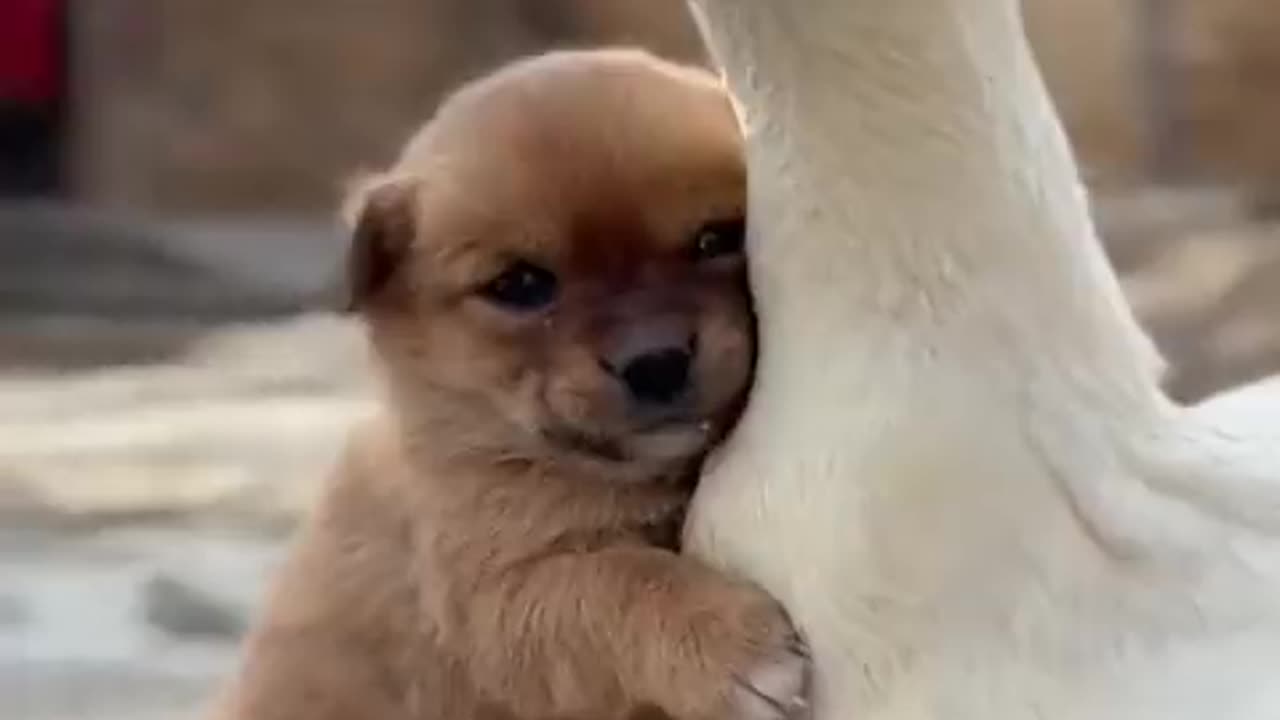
{"type": "Point", "coordinates": [912, 190]}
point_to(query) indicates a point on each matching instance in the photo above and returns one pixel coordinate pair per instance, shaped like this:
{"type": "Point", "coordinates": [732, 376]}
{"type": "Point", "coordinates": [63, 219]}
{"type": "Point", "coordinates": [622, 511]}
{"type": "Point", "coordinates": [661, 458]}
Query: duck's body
{"type": "Point", "coordinates": [957, 468]}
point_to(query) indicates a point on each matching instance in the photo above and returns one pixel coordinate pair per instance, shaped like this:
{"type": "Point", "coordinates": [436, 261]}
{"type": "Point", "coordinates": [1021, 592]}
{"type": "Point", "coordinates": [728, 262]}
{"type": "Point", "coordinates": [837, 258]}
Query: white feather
{"type": "Point", "coordinates": [957, 469]}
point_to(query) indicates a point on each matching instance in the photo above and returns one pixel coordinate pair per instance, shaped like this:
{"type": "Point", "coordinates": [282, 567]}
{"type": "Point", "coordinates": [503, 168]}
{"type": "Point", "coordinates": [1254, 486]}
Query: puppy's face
{"type": "Point", "coordinates": [556, 264]}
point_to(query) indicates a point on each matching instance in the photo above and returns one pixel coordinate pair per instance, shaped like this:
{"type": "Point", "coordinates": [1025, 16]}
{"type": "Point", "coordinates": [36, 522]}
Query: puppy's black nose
{"type": "Point", "coordinates": [659, 376]}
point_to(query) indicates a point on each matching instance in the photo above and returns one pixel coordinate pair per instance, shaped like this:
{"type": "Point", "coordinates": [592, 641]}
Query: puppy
{"type": "Point", "coordinates": [553, 281]}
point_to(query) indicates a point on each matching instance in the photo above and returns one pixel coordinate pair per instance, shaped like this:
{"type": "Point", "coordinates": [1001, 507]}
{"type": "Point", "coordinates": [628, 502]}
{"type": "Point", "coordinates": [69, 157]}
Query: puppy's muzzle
{"type": "Point", "coordinates": [660, 377]}
{"type": "Point", "coordinates": [653, 359]}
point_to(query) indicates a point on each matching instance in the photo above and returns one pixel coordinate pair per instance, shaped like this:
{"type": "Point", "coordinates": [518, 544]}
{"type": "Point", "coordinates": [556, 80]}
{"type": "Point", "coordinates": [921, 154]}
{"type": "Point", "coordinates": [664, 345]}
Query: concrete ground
{"type": "Point", "coordinates": [122, 623]}
{"type": "Point", "coordinates": [171, 396]}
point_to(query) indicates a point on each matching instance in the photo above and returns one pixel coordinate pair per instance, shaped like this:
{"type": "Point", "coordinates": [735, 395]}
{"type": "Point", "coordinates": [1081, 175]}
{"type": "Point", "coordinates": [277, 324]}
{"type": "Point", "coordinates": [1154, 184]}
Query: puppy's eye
{"type": "Point", "coordinates": [522, 286]}
{"type": "Point", "coordinates": [719, 238]}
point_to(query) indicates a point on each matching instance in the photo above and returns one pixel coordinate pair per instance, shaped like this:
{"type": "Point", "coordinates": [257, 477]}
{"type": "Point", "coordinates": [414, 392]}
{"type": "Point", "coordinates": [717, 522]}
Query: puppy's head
{"type": "Point", "coordinates": [555, 264]}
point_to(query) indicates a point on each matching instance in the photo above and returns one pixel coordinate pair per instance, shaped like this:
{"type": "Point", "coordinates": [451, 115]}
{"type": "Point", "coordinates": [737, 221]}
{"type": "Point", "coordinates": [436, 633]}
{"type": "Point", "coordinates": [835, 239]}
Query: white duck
{"type": "Point", "coordinates": [958, 470]}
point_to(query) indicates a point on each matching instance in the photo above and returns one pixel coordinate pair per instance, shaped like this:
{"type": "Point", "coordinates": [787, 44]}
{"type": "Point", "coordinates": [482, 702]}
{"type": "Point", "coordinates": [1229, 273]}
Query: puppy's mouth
{"type": "Point", "coordinates": [670, 438]}
{"type": "Point", "coordinates": [594, 446]}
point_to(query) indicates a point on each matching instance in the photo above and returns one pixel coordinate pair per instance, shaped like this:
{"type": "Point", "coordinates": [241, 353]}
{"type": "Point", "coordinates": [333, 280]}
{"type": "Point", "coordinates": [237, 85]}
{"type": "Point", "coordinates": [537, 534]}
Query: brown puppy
{"type": "Point", "coordinates": [553, 279]}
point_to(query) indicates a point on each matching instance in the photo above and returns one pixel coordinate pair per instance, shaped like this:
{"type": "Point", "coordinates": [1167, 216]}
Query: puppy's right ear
{"type": "Point", "coordinates": [380, 213]}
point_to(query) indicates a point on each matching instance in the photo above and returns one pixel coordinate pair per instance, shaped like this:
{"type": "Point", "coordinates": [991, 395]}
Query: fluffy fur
{"type": "Point", "coordinates": [500, 544]}
{"type": "Point", "coordinates": [957, 469]}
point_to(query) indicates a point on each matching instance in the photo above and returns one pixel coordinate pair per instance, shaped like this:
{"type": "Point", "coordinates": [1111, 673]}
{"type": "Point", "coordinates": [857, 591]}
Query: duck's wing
{"type": "Point", "coordinates": [1256, 404]}
{"type": "Point", "coordinates": [1224, 456]}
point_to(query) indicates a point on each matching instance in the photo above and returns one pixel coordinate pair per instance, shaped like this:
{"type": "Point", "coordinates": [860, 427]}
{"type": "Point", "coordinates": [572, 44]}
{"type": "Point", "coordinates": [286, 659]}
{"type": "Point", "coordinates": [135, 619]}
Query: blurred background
{"type": "Point", "coordinates": [173, 384]}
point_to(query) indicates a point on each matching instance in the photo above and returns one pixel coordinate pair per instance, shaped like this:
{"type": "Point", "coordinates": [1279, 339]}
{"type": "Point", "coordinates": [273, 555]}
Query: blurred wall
{"type": "Point", "coordinates": [1230, 55]}
{"type": "Point", "coordinates": [1088, 53]}
{"type": "Point", "coordinates": [1218, 109]}
{"type": "Point", "coordinates": [215, 106]}
{"type": "Point", "coordinates": [237, 105]}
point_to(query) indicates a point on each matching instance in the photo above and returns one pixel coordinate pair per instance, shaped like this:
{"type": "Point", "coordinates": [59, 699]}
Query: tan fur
{"type": "Point", "coordinates": [468, 561]}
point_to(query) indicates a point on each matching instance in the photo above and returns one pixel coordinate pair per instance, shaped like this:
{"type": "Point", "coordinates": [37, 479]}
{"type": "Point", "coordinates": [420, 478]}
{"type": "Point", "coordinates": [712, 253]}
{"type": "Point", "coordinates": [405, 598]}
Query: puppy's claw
{"type": "Point", "coordinates": [797, 645]}
{"type": "Point", "coordinates": [775, 690]}
{"type": "Point", "coordinates": [777, 706]}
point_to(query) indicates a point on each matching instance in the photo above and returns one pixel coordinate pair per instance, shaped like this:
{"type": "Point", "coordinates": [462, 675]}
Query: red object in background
{"type": "Point", "coordinates": [30, 52]}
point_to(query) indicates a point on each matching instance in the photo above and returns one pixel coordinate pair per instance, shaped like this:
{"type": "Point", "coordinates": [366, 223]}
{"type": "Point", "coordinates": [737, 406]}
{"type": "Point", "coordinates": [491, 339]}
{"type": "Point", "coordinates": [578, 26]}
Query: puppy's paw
{"type": "Point", "coordinates": [740, 661]}
{"type": "Point", "coordinates": [776, 688]}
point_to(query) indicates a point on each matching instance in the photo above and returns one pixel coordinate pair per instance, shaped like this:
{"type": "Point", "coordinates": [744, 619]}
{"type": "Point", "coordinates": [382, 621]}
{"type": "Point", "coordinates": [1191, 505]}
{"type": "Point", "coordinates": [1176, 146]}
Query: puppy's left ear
{"type": "Point", "coordinates": [379, 210]}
